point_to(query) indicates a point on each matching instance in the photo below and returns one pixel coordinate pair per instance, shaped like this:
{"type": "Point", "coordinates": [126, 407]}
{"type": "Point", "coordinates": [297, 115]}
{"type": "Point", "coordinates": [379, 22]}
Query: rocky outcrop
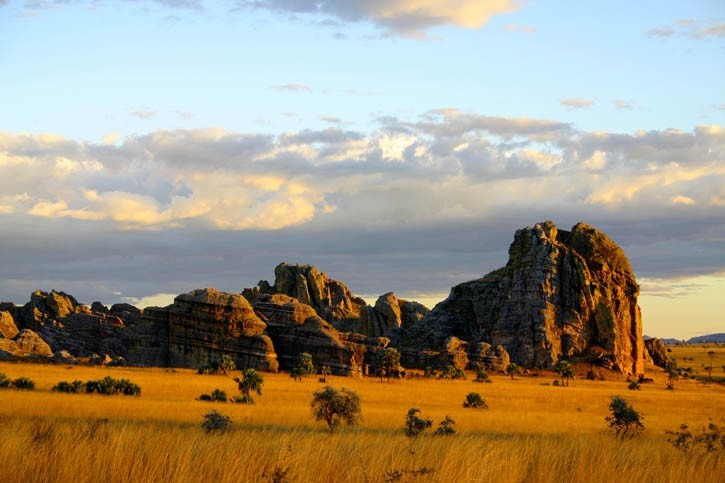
{"type": "Point", "coordinates": [388, 315]}
{"type": "Point", "coordinates": [562, 294]}
{"type": "Point", "coordinates": [332, 300]}
{"type": "Point", "coordinates": [205, 324]}
{"type": "Point", "coordinates": [483, 355]}
{"type": "Point", "coordinates": [657, 351]}
{"type": "Point", "coordinates": [44, 308]}
{"type": "Point", "coordinates": [8, 329]}
{"type": "Point", "coordinates": [31, 343]}
{"type": "Point", "coordinates": [296, 328]}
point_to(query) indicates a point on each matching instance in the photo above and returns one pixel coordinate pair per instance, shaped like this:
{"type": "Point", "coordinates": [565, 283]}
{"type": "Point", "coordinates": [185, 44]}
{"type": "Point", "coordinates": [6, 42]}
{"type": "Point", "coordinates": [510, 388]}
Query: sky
{"type": "Point", "coordinates": [150, 147]}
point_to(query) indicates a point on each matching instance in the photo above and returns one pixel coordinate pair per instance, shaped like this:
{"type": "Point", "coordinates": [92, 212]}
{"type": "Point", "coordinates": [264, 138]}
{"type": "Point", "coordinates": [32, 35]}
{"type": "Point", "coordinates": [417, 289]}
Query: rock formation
{"type": "Point", "coordinates": [657, 351]}
{"type": "Point", "coordinates": [8, 329]}
{"type": "Point", "coordinates": [388, 315]}
{"type": "Point", "coordinates": [562, 295]}
{"type": "Point", "coordinates": [332, 300]}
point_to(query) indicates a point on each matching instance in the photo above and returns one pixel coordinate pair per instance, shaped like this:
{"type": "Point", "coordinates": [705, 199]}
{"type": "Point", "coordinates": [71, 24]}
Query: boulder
{"type": "Point", "coordinates": [8, 329]}
{"type": "Point", "coordinates": [657, 351]}
{"type": "Point", "coordinates": [484, 355]}
{"type": "Point", "coordinates": [30, 342]}
{"type": "Point", "coordinates": [46, 307]}
{"type": "Point", "coordinates": [562, 294]}
{"type": "Point", "coordinates": [64, 357]}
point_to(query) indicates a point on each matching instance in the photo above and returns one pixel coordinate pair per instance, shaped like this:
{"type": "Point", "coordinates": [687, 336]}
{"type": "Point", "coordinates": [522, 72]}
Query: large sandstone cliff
{"type": "Point", "coordinates": [562, 294]}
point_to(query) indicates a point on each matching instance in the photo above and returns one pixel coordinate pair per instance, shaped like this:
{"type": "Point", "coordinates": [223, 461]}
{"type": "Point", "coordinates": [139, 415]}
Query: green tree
{"type": "Point", "coordinates": [623, 418]}
{"type": "Point", "coordinates": [445, 427]}
{"type": "Point", "coordinates": [251, 381]}
{"type": "Point", "coordinates": [564, 369]}
{"type": "Point", "coordinates": [387, 360]}
{"type": "Point", "coordinates": [513, 369]}
{"type": "Point", "coordinates": [474, 400]}
{"type": "Point", "coordinates": [336, 407]}
{"type": "Point", "coordinates": [304, 366]}
{"type": "Point", "coordinates": [226, 364]}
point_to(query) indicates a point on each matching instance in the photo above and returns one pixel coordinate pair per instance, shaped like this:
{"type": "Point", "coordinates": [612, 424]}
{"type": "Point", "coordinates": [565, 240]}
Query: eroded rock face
{"type": "Point", "coordinates": [205, 324]}
{"type": "Point", "coordinates": [296, 328]}
{"type": "Point", "coordinates": [44, 308]}
{"type": "Point", "coordinates": [30, 342]}
{"type": "Point", "coordinates": [562, 294]}
{"type": "Point", "coordinates": [657, 351]}
{"type": "Point", "coordinates": [332, 300]}
{"type": "Point", "coordinates": [389, 314]}
{"type": "Point", "coordinates": [8, 329]}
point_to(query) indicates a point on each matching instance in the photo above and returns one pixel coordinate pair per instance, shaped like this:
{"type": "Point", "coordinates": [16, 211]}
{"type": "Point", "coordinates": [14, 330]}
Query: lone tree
{"type": "Point", "coordinates": [251, 381]}
{"type": "Point", "coordinates": [336, 407]}
{"type": "Point", "coordinates": [415, 425]}
{"type": "Point", "coordinates": [387, 360]}
{"type": "Point", "coordinates": [623, 418]}
{"type": "Point", "coordinates": [711, 355]}
{"type": "Point", "coordinates": [226, 364]}
{"type": "Point", "coordinates": [564, 369]}
{"type": "Point", "coordinates": [304, 366]}
{"type": "Point", "coordinates": [673, 373]}
{"type": "Point", "coordinates": [512, 369]}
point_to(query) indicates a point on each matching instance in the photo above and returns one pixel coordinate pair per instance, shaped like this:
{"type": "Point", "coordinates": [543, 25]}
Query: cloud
{"type": "Point", "coordinates": [689, 28]}
{"type": "Point", "coordinates": [524, 29]}
{"type": "Point", "coordinates": [408, 18]}
{"type": "Point", "coordinates": [576, 103]}
{"type": "Point", "coordinates": [292, 87]}
{"type": "Point", "coordinates": [621, 104]}
{"type": "Point", "coordinates": [144, 114]}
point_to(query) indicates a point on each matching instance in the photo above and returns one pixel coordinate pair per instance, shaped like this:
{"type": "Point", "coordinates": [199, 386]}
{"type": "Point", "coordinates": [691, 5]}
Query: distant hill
{"type": "Point", "coordinates": [718, 338]}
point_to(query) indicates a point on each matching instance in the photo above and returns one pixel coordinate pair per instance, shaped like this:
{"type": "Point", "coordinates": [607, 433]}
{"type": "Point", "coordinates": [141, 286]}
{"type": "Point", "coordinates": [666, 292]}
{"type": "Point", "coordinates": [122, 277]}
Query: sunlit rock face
{"type": "Point", "coordinates": [331, 299]}
{"type": "Point", "coordinates": [562, 294]}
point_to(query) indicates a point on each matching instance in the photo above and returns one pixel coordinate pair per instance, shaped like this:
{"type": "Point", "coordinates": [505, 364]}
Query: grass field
{"type": "Point", "coordinates": [697, 357]}
{"type": "Point", "coordinates": [531, 431]}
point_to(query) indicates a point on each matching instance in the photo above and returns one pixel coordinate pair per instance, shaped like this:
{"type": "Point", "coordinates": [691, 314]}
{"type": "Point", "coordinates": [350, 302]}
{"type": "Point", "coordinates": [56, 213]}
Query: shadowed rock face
{"type": "Point", "coordinates": [389, 314]}
{"type": "Point", "coordinates": [562, 294]}
{"type": "Point", "coordinates": [657, 351]}
{"type": "Point", "coordinates": [332, 300]}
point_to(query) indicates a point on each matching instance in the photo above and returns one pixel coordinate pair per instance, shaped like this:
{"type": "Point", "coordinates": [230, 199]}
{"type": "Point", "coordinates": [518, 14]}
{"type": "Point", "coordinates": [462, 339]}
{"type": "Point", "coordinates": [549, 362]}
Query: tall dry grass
{"type": "Point", "coordinates": [531, 432]}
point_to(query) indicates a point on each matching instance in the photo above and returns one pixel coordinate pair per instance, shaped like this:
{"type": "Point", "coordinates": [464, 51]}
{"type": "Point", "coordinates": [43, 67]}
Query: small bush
{"type": "Point", "coordinates": [445, 427]}
{"type": "Point", "coordinates": [215, 421]}
{"type": "Point", "coordinates": [415, 425]}
{"type": "Point", "coordinates": [556, 382]}
{"type": "Point", "coordinates": [623, 418]}
{"type": "Point", "coordinates": [452, 372]}
{"type": "Point", "coordinates": [429, 372]}
{"type": "Point", "coordinates": [4, 381]}
{"type": "Point", "coordinates": [474, 400]}
{"type": "Point", "coordinates": [23, 384]}
{"type": "Point", "coordinates": [109, 386]}
{"type": "Point", "coordinates": [251, 381]}
{"type": "Point", "coordinates": [74, 387]}
{"type": "Point", "coordinates": [205, 397]}
{"type": "Point", "coordinates": [482, 376]}
{"type": "Point", "coordinates": [634, 386]}
{"type": "Point", "coordinates": [217, 395]}
{"type": "Point", "coordinates": [242, 400]}
{"type": "Point", "coordinates": [710, 439]}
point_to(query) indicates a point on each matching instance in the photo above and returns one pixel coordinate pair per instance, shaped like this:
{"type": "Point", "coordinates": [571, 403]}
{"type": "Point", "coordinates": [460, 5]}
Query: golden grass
{"type": "Point", "coordinates": [696, 356]}
{"type": "Point", "coordinates": [531, 432]}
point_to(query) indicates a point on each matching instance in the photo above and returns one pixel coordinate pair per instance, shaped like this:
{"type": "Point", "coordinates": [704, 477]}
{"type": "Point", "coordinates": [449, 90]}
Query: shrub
{"type": "Point", "coordinates": [110, 386]}
{"type": "Point", "coordinates": [226, 364]}
{"type": "Point", "coordinates": [429, 372]}
{"type": "Point", "coordinates": [623, 418]}
{"type": "Point", "coordinates": [23, 383]}
{"type": "Point", "coordinates": [710, 439]}
{"type": "Point", "coordinates": [4, 381]}
{"type": "Point", "coordinates": [415, 425]}
{"type": "Point", "coordinates": [634, 386]}
{"type": "Point", "coordinates": [335, 407]}
{"type": "Point", "coordinates": [474, 400]}
{"type": "Point", "coordinates": [216, 395]}
{"type": "Point", "coordinates": [673, 373]}
{"type": "Point", "coordinates": [482, 376]}
{"type": "Point", "coordinates": [74, 387]}
{"type": "Point", "coordinates": [556, 382]}
{"type": "Point", "coordinates": [452, 372]}
{"type": "Point", "coordinates": [445, 427]}
{"type": "Point", "coordinates": [215, 421]}
{"type": "Point", "coordinates": [251, 381]}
